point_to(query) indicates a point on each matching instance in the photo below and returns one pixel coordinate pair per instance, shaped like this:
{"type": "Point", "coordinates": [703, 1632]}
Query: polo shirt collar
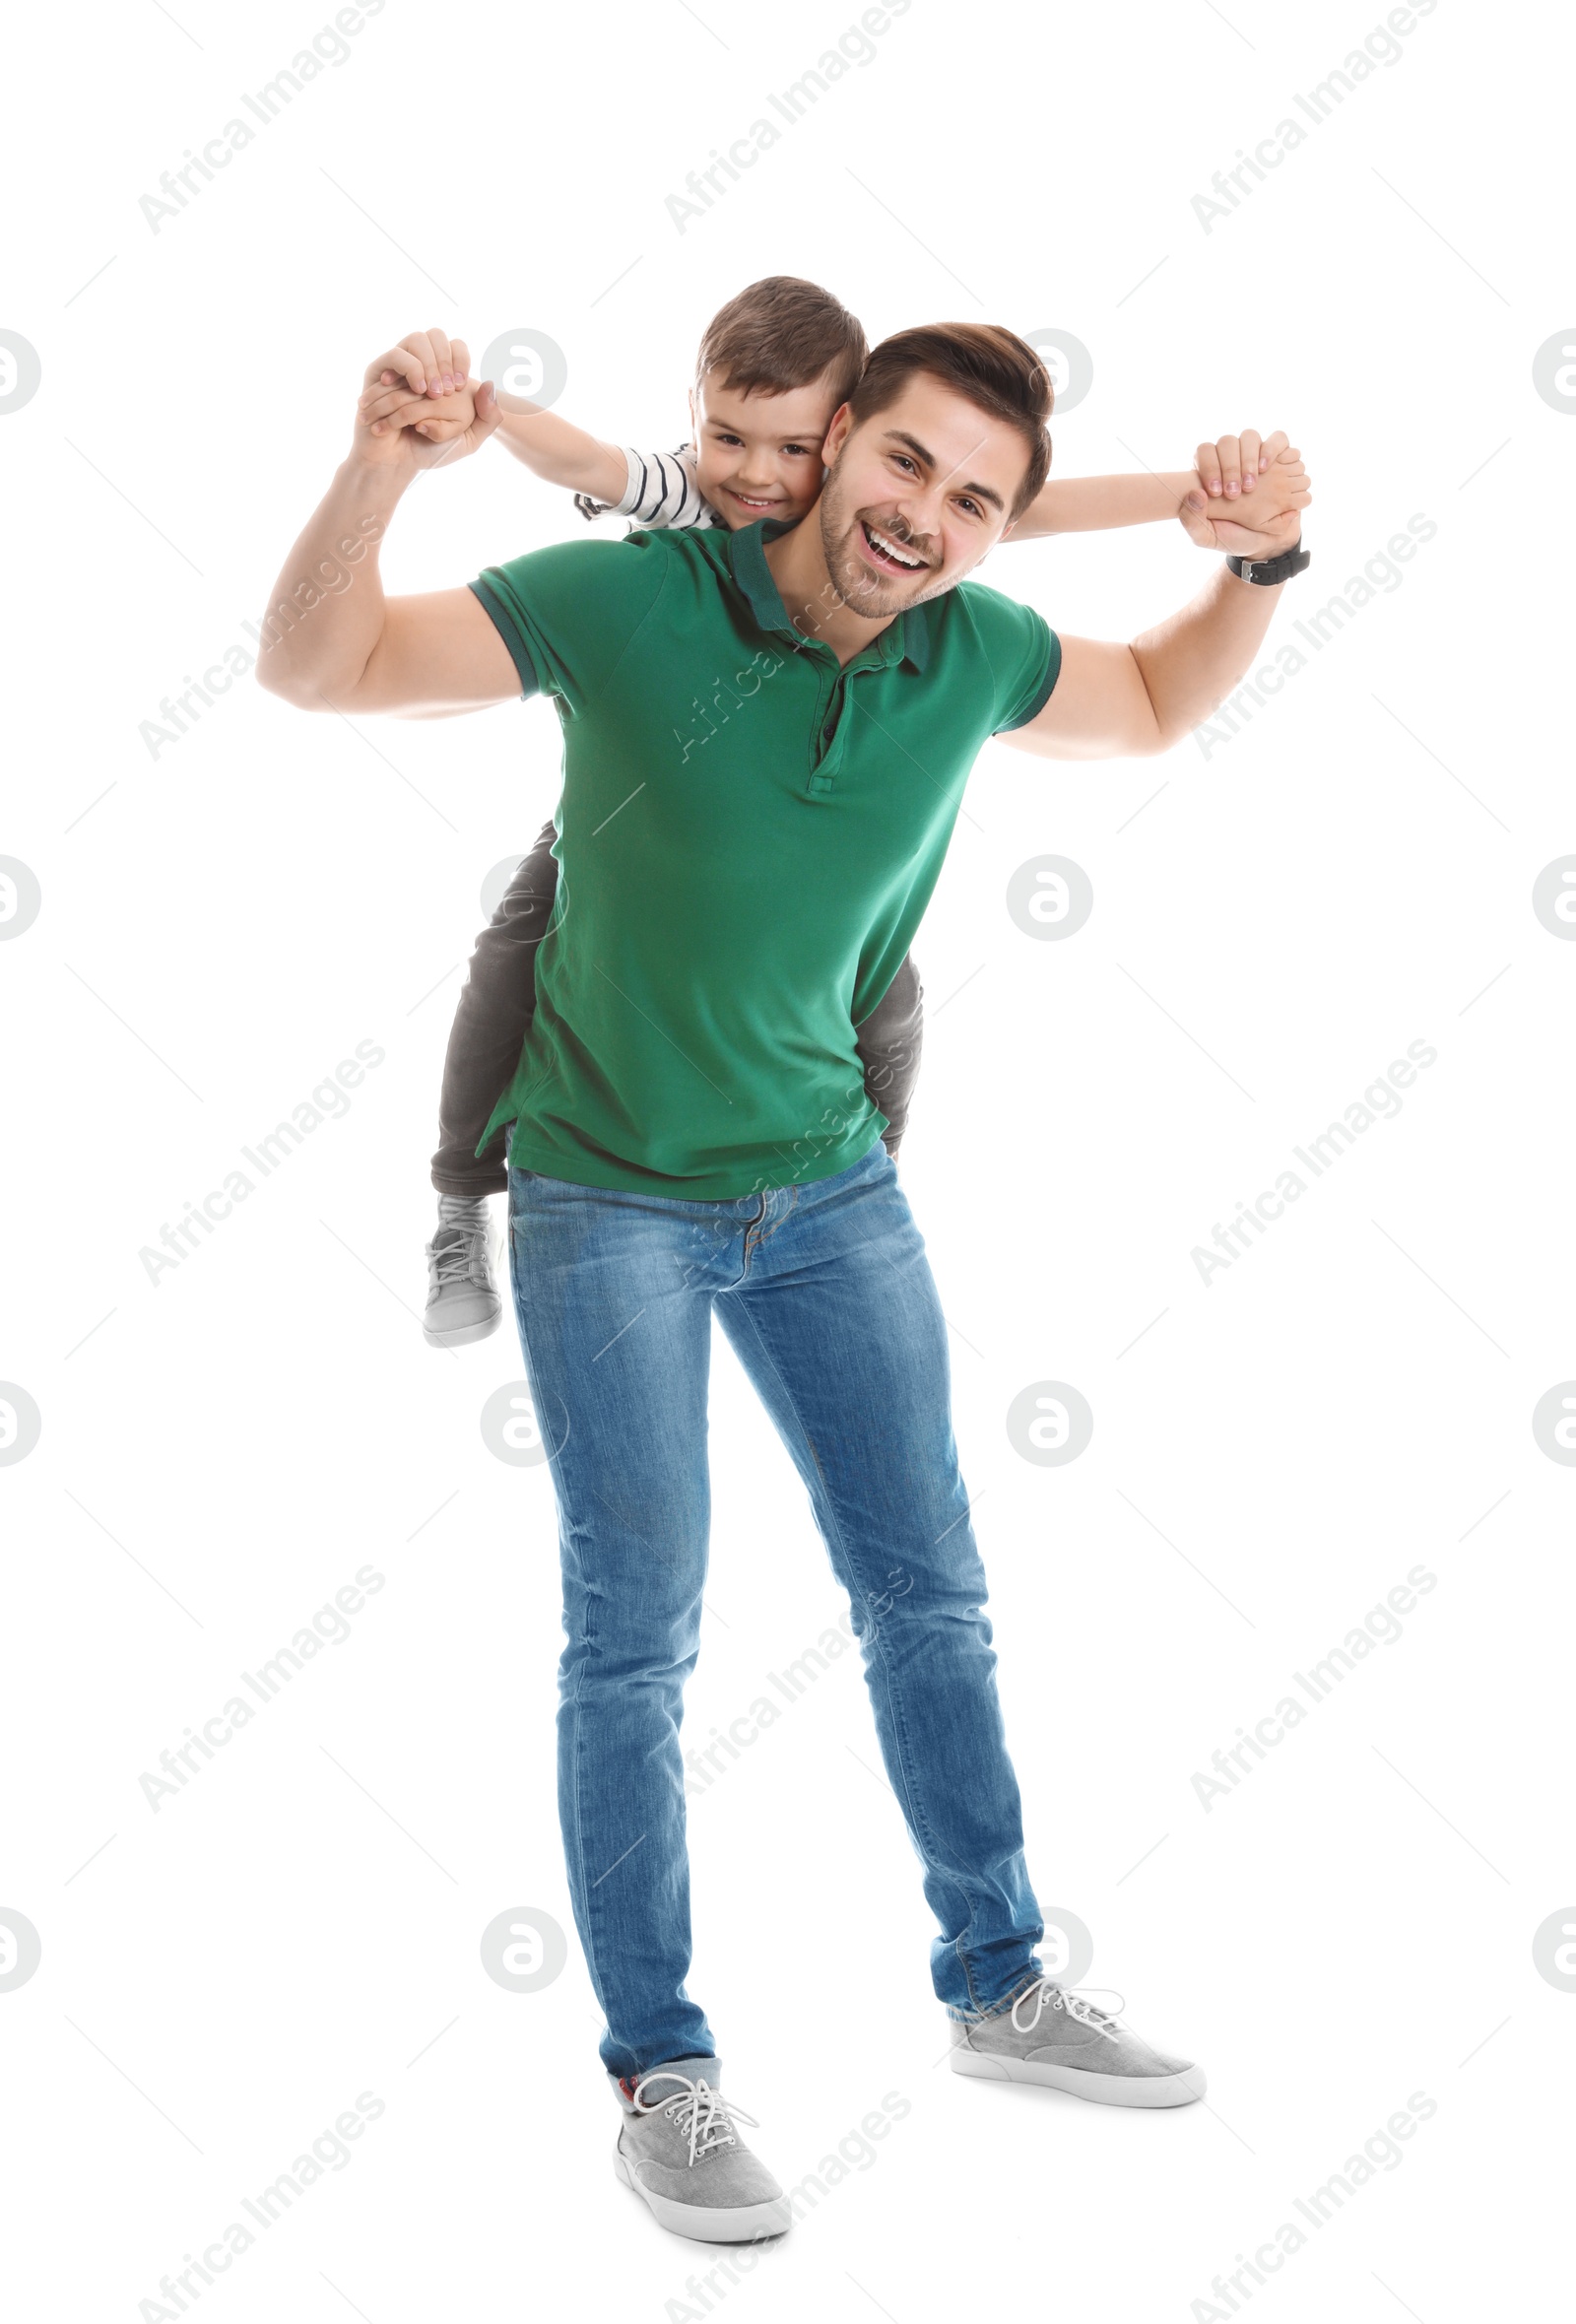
{"type": "Point", "coordinates": [905, 639]}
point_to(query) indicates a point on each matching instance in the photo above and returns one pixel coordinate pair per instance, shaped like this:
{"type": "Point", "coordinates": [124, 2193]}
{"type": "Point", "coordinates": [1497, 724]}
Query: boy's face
{"type": "Point", "coordinates": [759, 455]}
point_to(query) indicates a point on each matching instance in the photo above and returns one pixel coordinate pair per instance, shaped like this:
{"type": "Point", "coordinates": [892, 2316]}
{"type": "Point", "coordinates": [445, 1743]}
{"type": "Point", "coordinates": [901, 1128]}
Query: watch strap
{"type": "Point", "coordinates": [1267, 570]}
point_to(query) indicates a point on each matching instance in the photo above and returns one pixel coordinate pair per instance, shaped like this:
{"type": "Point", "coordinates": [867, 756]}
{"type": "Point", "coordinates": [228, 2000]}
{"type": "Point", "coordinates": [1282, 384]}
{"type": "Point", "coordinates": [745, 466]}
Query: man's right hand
{"type": "Point", "coordinates": [419, 407]}
{"type": "Point", "coordinates": [331, 640]}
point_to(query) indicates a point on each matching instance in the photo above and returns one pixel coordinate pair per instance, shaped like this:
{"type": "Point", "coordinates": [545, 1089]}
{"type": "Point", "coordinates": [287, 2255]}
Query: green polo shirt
{"type": "Point", "coordinates": [748, 836]}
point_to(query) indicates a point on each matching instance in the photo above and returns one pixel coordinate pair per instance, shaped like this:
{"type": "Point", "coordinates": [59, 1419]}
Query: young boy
{"type": "Point", "coordinates": [773, 367]}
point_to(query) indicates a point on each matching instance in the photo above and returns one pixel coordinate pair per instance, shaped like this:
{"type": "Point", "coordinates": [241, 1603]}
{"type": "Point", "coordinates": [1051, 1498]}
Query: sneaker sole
{"type": "Point", "coordinates": [1105, 2089]}
{"type": "Point", "coordinates": [460, 1335]}
{"type": "Point", "coordinates": [746, 2224]}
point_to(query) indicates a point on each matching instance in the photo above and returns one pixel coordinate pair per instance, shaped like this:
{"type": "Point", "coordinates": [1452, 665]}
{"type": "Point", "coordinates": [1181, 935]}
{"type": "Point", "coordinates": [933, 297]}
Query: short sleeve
{"type": "Point", "coordinates": [662, 491]}
{"type": "Point", "coordinates": [568, 612]}
{"type": "Point", "coordinates": [1026, 654]}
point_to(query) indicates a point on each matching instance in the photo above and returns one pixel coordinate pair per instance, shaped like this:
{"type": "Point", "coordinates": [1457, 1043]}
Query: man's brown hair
{"type": "Point", "coordinates": [992, 367]}
{"type": "Point", "coordinates": [782, 333]}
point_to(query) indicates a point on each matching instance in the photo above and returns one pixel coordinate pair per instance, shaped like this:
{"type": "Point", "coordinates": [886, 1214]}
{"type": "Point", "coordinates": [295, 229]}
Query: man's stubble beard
{"type": "Point", "coordinates": [873, 596]}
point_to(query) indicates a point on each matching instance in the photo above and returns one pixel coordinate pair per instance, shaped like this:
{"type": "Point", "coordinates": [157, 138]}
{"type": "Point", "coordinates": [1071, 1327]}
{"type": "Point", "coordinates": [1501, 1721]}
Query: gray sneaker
{"type": "Point", "coordinates": [462, 1298]}
{"type": "Point", "coordinates": [679, 2149]}
{"type": "Point", "coordinates": [1069, 2044]}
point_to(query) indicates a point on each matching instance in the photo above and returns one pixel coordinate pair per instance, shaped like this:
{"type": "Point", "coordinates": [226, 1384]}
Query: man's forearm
{"type": "Point", "coordinates": [1191, 662]}
{"type": "Point", "coordinates": [326, 613]}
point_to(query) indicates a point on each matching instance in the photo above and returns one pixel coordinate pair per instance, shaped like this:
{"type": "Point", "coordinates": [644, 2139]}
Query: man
{"type": "Point", "coordinates": [691, 1132]}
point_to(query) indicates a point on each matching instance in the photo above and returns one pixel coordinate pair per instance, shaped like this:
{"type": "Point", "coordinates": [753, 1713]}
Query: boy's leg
{"type": "Point", "coordinates": [491, 1020]}
{"type": "Point", "coordinates": [888, 1042]}
{"type": "Point", "coordinates": [837, 1322]}
{"type": "Point", "coordinates": [494, 1010]}
{"type": "Point", "coordinates": [613, 1297]}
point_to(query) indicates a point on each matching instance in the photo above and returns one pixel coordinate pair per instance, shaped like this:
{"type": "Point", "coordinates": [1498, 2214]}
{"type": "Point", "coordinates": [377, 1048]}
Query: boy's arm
{"type": "Point", "coordinates": [422, 384]}
{"type": "Point", "coordinates": [1095, 504]}
{"type": "Point", "coordinates": [561, 453]}
{"type": "Point", "coordinates": [1233, 465]}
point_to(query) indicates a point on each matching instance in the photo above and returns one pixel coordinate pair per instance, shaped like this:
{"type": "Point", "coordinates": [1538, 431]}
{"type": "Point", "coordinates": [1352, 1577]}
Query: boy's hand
{"type": "Point", "coordinates": [430, 364]}
{"type": "Point", "coordinates": [1234, 464]}
{"type": "Point", "coordinates": [422, 389]}
{"type": "Point", "coordinates": [1250, 495]}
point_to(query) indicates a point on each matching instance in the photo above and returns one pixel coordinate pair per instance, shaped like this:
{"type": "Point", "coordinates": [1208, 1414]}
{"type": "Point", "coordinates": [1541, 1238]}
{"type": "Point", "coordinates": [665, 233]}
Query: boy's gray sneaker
{"type": "Point", "coordinates": [462, 1298]}
{"type": "Point", "coordinates": [1066, 2043]}
{"type": "Point", "coordinates": [677, 2147]}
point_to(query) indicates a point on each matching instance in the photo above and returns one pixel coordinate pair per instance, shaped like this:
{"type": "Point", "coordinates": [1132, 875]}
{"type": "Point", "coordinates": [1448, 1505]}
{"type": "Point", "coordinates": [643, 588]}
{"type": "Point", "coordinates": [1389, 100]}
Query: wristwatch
{"type": "Point", "coordinates": [1267, 570]}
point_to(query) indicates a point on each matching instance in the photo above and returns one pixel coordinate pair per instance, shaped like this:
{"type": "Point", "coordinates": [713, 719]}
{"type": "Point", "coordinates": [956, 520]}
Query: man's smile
{"type": "Point", "coordinates": [887, 553]}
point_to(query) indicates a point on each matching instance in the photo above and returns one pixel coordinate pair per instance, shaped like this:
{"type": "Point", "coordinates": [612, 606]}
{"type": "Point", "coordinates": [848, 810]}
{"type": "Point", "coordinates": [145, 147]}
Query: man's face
{"type": "Point", "coordinates": [759, 455]}
{"type": "Point", "coordinates": [917, 494]}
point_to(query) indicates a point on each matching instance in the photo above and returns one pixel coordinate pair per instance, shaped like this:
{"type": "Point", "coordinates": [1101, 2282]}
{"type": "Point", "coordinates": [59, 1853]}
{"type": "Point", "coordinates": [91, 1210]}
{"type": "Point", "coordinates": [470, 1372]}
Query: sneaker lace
{"type": "Point", "coordinates": [699, 2112]}
{"type": "Point", "coordinates": [1045, 1994]}
{"type": "Point", "coordinates": [457, 1254]}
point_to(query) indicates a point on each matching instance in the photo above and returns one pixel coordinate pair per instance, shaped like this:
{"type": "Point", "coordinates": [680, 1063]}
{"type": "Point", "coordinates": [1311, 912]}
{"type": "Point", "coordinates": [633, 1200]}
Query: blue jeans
{"type": "Point", "coordinates": [828, 1298]}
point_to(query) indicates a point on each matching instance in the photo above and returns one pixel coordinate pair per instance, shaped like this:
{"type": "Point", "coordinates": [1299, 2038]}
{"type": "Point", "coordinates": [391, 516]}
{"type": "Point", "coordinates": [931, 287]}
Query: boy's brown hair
{"type": "Point", "coordinates": [992, 367]}
{"type": "Point", "coordinates": [782, 333]}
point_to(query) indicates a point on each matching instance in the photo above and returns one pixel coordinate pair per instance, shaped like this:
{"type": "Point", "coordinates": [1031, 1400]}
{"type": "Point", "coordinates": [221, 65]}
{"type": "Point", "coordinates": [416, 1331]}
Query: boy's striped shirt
{"type": "Point", "coordinates": [661, 491]}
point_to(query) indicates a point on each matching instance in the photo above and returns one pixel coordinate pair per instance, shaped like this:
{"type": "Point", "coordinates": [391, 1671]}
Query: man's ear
{"type": "Point", "coordinates": [837, 435]}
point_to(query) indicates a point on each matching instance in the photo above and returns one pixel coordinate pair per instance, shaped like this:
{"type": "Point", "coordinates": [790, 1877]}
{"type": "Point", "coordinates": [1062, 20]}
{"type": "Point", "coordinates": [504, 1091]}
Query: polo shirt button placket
{"type": "Point", "coordinates": [819, 781]}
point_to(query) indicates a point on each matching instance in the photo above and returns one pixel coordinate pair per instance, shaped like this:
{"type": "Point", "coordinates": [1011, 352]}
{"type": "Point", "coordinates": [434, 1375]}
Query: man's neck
{"type": "Point", "coordinates": [797, 562]}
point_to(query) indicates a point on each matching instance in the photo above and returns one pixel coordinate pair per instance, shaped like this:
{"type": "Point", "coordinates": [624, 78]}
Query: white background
{"type": "Point", "coordinates": [1273, 926]}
